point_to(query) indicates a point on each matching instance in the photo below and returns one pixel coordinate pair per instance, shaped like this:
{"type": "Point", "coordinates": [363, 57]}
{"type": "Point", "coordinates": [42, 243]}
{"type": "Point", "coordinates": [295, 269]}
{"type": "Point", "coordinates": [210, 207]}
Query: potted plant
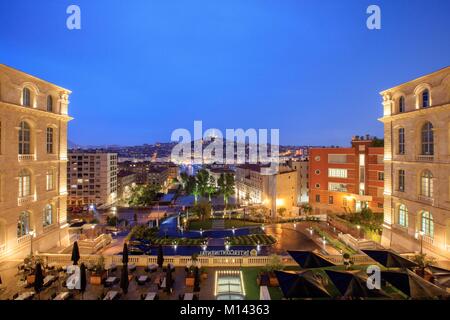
{"type": "Point", "coordinates": [423, 261]}
{"type": "Point", "coordinates": [268, 277]}
{"type": "Point", "coordinates": [204, 273]}
{"type": "Point", "coordinates": [98, 273]}
{"type": "Point", "coordinates": [347, 262]}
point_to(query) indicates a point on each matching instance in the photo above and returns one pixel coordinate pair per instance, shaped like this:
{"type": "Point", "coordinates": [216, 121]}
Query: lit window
{"type": "Point", "coordinates": [426, 184]}
{"type": "Point", "coordinates": [401, 180]}
{"type": "Point", "coordinates": [403, 215]}
{"type": "Point", "coordinates": [24, 183]}
{"type": "Point", "coordinates": [337, 173]}
{"type": "Point", "coordinates": [381, 175]}
{"type": "Point", "coordinates": [427, 224]}
{"type": "Point", "coordinates": [49, 140]}
{"type": "Point", "coordinates": [49, 180]}
{"type": "Point", "coordinates": [338, 187]}
{"type": "Point", "coordinates": [23, 225]}
{"type": "Point", "coordinates": [48, 215]}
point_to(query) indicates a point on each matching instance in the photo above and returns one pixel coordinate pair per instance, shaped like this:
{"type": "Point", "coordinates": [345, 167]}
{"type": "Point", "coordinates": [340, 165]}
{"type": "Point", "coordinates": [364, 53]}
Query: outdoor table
{"type": "Point", "coordinates": [131, 267]}
{"type": "Point", "coordinates": [152, 267]}
{"type": "Point", "coordinates": [110, 281]}
{"type": "Point", "coordinates": [111, 295]}
{"type": "Point", "coordinates": [142, 279]}
{"type": "Point", "coordinates": [150, 296]}
{"type": "Point", "coordinates": [25, 296]}
{"type": "Point", "coordinates": [188, 296]}
{"type": "Point", "coordinates": [48, 280]}
{"type": "Point", "coordinates": [62, 296]}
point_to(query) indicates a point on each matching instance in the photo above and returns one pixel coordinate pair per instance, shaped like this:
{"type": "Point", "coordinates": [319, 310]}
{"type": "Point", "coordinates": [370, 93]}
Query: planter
{"type": "Point", "coordinates": [97, 278]}
{"type": "Point", "coordinates": [273, 280]}
{"type": "Point", "coordinates": [30, 279]}
{"type": "Point", "coordinates": [190, 281]}
{"type": "Point", "coordinates": [204, 275]}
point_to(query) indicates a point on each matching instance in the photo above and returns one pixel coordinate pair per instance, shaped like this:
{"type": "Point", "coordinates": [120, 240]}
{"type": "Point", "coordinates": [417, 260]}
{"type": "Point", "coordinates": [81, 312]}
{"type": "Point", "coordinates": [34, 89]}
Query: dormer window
{"type": "Point", "coordinates": [401, 105]}
{"type": "Point", "coordinates": [425, 98]}
{"type": "Point", "coordinates": [26, 97]}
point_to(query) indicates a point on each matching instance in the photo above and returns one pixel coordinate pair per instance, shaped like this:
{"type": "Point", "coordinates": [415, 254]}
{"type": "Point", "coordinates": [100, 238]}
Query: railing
{"type": "Point", "coordinates": [426, 199]}
{"type": "Point", "coordinates": [182, 261]}
{"type": "Point", "coordinates": [27, 157]}
{"type": "Point", "coordinates": [425, 158]}
{"type": "Point", "coordinates": [25, 200]}
{"type": "Point", "coordinates": [24, 239]}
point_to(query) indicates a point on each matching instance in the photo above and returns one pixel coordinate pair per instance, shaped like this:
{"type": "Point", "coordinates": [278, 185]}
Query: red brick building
{"type": "Point", "coordinates": [347, 179]}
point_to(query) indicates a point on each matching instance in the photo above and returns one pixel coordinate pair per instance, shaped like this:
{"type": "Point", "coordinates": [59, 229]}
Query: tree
{"type": "Point", "coordinates": [192, 187]}
{"type": "Point", "coordinates": [184, 180]}
{"type": "Point", "coordinates": [202, 209]}
{"type": "Point", "coordinates": [306, 208]}
{"type": "Point", "coordinates": [281, 211]}
{"type": "Point", "coordinates": [226, 188]}
{"type": "Point", "coordinates": [143, 195]}
{"type": "Point", "coordinates": [423, 261]}
{"type": "Point", "coordinates": [211, 188]}
{"type": "Point", "coordinates": [202, 181]}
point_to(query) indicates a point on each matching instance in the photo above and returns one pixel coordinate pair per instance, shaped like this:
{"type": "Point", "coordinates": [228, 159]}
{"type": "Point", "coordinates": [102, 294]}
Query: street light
{"type": "Point", "coordinates": [359, 233]}
{"type": "Point", "coordinates": [421, 233]}
{"type": "Point", "coordinates": [32, 234]}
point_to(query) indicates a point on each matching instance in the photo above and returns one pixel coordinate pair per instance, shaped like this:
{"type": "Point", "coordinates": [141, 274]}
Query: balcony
{"type": "Point", "coordinates": [425, 158]}
{"type": "Point", "coordinates": [426, 200]}
{"type": "Point", "coordinates": [24, 200]}
{"type": "Point", "coordinates": [27, 157]}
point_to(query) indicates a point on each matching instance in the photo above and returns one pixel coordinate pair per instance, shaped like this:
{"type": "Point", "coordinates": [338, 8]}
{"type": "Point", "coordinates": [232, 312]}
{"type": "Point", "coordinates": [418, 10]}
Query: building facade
{"type": "Point", "coordinates": [126, 180]}
{"type": "Point", "coordinates": [33, 156]}
{"type": "Point", "coordinates": [91, 179]}
{"type": "Point", "coordinates": [274, 191]}
{"type": "Point", "coordinates": [302, 168]}
{"type": "Point", "coordinates": [344, 180]}
{"type": "Point", "coordinates": [416, 122]}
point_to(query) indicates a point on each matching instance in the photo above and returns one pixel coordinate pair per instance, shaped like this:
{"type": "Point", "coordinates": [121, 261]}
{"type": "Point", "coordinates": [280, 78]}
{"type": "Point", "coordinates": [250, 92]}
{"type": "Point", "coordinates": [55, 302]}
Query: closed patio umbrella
{"type": "Point", "coordinates": [83, 281]}
{"type": "Point", "coordinates": [441, 276]}
{"type": "Point", "coordinates": [390, 259]}
{"type": "Point", "coordinates": [353, 284]}
{"type": "Point", "coordinates": [75, 253]}
{"type": "Point", "coordinates": [169, 279]}
{"type": "Point", "coordinates": [160, 259]}
{"type": "Point", "coordinates": [301, 285]}
{"type": "Point", "coordinates": [38, 279]}
{"type": "Point", "coordinates": [125, 253]}
{"type": "Point", "coordinates": [412, 285]}
{"type": "Point", "coordinates": [124, 281]}
{"type": "Point", "coordinates": [309, 259]}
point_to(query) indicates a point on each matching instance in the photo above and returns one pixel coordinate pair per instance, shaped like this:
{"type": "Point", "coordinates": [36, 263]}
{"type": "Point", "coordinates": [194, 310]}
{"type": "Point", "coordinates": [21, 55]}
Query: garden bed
{"type": "Point", "coordinates": [252, 240]}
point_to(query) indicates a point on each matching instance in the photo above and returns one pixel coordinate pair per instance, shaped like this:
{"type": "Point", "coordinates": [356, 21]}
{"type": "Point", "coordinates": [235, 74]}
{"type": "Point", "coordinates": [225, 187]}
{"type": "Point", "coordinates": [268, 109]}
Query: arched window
{"type": "Point", "coordinates": [401, 104]}
{"type": "Point", "coordinates": [427, 224]}
{"type": "Point", "coordinates": [24, 138]}
{"type": "Point", "coordinates": [427, 139]}
{"type": "Point", "coordinates": [49, 103]}
{"type": "Point", "coordinates": [24, 183]}
{"type": "Point", "coordinates": [402, 215]}
{"type": "Point", "coordinates": [401, 141]}
{"type": "Point", "coordinates": [23, 225]}
{"type": "Point", "coordinates": [425, 98]}
{"type": "Point", "coordinates": [48, 215]}
{"type": "Point", "coordinates": [26, 97]}
{"type": "Point", "coordinates": [426, 184]}
{"type": "Point", "coordinates": [49, 140]}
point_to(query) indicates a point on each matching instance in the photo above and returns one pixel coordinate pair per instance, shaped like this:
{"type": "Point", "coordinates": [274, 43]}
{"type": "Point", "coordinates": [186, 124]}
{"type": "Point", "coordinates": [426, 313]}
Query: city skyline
{"type": "Point", "coordinates": [303, 73]}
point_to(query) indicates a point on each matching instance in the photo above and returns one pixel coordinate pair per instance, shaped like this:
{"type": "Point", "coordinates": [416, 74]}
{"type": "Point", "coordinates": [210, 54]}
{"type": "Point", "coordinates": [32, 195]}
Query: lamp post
{"type": "Point", "coordinates": [359, 231]}
{"type": "Point", "coordinates": [32, 234]}
{"type": "Point", "coordinates": [421, 233]}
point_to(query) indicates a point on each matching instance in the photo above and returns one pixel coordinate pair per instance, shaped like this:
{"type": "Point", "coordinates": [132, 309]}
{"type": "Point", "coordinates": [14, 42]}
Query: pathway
{"type": "Point", "coordinates": [218, 224]}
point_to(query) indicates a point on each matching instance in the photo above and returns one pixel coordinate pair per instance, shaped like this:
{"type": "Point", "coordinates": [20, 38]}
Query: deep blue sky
{"type": "Point", "coordinates": [140, 69]}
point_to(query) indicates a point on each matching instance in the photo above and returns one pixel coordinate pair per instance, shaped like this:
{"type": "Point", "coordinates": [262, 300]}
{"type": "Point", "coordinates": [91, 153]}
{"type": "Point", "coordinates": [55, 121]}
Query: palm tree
{"type": "Point", "coordinates": [226, 188]}
{"type": "Point", "coordinates": [211, 188]}
{"type": "Point", "coordinates": [202, 181]}
{"type": "Point", "coordinates": [184, 179]}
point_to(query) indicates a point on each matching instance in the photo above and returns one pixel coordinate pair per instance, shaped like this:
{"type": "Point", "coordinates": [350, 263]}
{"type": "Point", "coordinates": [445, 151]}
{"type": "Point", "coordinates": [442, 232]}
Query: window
{"type": "Point", "coordinates": [381, 175]}
{"type": "Point", "coordinates": [401, 180]}
{"type": "Point", "coordinates": [330, 199]}
{"type": "Point", "coordinates": [317, 185]}
{"type": "Point", "coordinates": [339, 187]}
{"type": "Point", "coordinates": [401, 141]}
{"type": "Point", "coordinates": [317, 172]}
{"type": "Point", "coordinates": [49, 180]}
{"type": "Point", "coordinates": [401, 104]}
{"type": "Point", "coordinates": [317, 197]}
{"type": "Point", "coordinates": [49, 103]}
{"type": "Point", "coordinates": [48, 215]}
{"type": "Point", "coordinates": [24, 138]}
{"type": "Point", "coordinates": [49, 140]}
{"type": "Point", "coordinates": [402, 215]}
{"type": "Point", "coordinates": [337, 158]}
{"type": "Point", "coordinates": [337, 173]}
{"type": "Point", "coordinates": [425, 99]}
{"type": "Point", "coordinates": [426, 184]}
{"type": "Point", "coordinates": [23, 225]}
{"type": "Point", "coordinates": [24, 183]}
{"type": "Point", "coordinates": [26, 97]}
{"type": "Point", "coordinates": [427, 224]}
{"type": "Point", "coordinates": [427, 139]}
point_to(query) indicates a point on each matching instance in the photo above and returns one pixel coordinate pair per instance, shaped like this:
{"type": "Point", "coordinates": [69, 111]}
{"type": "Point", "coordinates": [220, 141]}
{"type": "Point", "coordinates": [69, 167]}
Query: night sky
{"type": "Point", "coordinates": [140, 69]}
